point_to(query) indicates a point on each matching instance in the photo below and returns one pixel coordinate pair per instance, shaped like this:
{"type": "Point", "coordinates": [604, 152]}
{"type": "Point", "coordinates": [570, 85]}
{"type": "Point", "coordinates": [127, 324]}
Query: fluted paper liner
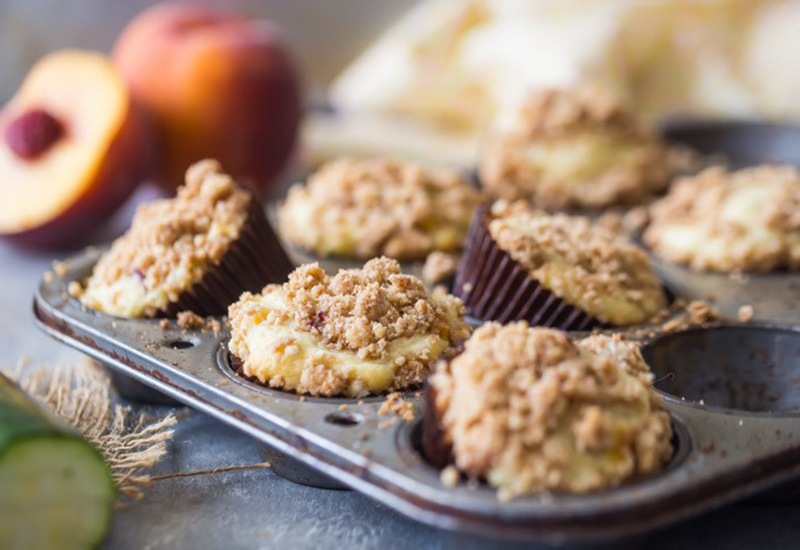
{"type": "Point", "coordinates": [435, 448]}
{"type": "Point", "coordinates": [495, 287]}
{"type": "Point", "coordinates": [254, 260]}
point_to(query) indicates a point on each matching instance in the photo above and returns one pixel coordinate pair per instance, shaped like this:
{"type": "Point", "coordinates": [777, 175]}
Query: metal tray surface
{"type": "Point", "coordinates": [723, 453]}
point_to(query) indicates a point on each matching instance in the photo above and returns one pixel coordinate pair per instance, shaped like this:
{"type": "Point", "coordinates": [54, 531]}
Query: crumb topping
{"type": "Point", "coordinates": [360, 331]}
{"type": "Point", "coordinates": [190, 320]}
{"type": "Point", "coordinates": [365, 209]}
{"type": "Point", "coordinates": [748, 220]}
{"type": "Point", "coordinates": [579, 262]}
{"type": "Point", "coordinates": [438, 267]}
{"type": "Point", "coordinates": [532, 411]}
{"type": "Point", "coordinates": [574, 148]}
{"type": "Point", "coordinates": [170, 245]}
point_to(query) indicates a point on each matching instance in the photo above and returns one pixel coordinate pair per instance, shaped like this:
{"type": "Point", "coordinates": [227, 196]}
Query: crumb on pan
{"type": "Point", "coordinates": [438, 267]}
{"type": "Point", "coordinates": [190, 320]}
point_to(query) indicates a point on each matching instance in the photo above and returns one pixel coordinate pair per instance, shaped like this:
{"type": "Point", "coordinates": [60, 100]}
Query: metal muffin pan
{"type": "Point", "coordinates": [726, 448]}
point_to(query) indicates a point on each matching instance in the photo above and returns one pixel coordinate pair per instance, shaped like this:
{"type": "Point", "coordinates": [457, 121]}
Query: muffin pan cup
{"type": "Point", "coordinates": [723, 454]}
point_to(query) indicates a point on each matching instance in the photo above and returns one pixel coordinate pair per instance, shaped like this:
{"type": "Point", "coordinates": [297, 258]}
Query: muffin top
{"type": "Point", "coordinates": [574, 148]}
{"type": "Point", "coordinates": [580, 262]}
{"type": "Point", "coordinates": [170, 245]}
{"type": "Point", "coordinates": [718, 220]}
{"type": "Point", "coordinates": [530, 410]}
{"type": "Point", "coordinates": [363, 209]}
{"type": "Point", "coordinates": [361, 331]}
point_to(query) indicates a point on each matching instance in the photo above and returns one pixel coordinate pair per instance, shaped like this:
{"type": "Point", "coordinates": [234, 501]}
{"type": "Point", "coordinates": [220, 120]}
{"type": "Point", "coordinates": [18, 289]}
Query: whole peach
{"type": "Point", "coordinates": [217, 85]}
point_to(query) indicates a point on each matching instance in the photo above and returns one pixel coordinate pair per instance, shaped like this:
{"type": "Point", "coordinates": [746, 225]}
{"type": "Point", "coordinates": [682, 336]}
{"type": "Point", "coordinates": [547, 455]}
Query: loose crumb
{"type": "Point", "coordinates": [746, 313]}
{"type": "Point", "coordinates": [438, 267]}
{"type": "Point", "coordinates": [75, 289]}
{"type": "Point", "coordinates": [60, 268]}
{"type": "Point", "coordinates": [164, 324]}
{"type": "Point", "coordinates": [395, 404]}
{"type": "Point", "coordinates": [450, 476]}
{"type": "Point", "coordinates": [190, 320]}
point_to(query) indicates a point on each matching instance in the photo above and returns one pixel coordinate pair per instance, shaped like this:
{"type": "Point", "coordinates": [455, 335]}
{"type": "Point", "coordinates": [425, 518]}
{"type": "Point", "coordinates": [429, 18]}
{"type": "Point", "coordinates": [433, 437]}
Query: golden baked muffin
{"type": "Point", "coordinates": [363, 209]}
{"type": "Point", "coordinates": [574, 148]}
{"type": "Point", "coordinates": [197, 251]}
{"type": "Point", "coordinates": [530, 410]}
{"type": "Point", "coordinates": [579, 263]}
{"type": "Point", "coordinates": [360, 332]}
{"type": "Point", "coordinates": [748, 220]}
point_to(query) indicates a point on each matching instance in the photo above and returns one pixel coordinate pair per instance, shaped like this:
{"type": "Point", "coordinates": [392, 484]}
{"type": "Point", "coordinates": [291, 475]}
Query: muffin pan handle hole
{"type": "Point", "coordinates": [344, 419]}
{"type": "Point", "coordinates": [754, 369]}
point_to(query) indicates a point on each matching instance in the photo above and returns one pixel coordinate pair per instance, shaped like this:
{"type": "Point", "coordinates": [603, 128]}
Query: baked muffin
{"type": "Point", "coordinates": [573, 148]}
{"type": "Point", "coordinates": [529, 410]}
{"type": "Point", "coordinates": [360, 332]}
{"type": "Point", "coordinates": [363, 209]}
{"type": "Point", "coordinates": [198, 252]}
{"type": "Point", "coordinates": [748, 220]}
{"type": "Point", "coordinates": [553, 270]}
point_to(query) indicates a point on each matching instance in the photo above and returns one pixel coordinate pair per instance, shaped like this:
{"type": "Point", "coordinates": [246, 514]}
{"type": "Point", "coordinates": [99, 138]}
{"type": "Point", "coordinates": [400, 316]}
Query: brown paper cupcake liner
{"type": "Point", "coordinates": [254, 260]}
{"type": "Point", "coordinates": [494, 287]}
{"type": "Point", "coordinates": [434, 446]}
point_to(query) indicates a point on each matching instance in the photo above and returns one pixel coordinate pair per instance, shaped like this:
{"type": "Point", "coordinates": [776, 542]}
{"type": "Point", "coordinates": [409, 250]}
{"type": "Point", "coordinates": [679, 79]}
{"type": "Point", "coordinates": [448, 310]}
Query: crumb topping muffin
{"type": "Point", "coordinates": [529, 410]}
{"type": "Point", "coordinates": [748, 220]}
{"type": "Point", "coordinates": [364, 209]}
{"type": "Point", "coordinates": [361, 331]}
{"type": "Point", "coordinates": [574, 148]}
{"type": "Point", "coordinates": [170, 245]}
{"type": "Point", "coordinates": [579, 262]}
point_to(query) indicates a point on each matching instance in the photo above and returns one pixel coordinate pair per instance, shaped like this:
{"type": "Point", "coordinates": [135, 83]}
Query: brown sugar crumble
{"type": "Point", "coordinates": [170, 245]}
{"type": "Point", "coordinates": [364, 209]}
{"type": "Point", "coordinates": [395, 404]}
{"type": "Point", "coordinates": [438, 267]}
{"type": "Point", "coordinates": [531, 411]}
{"type": "Point", "coordinates": [190, 320]}
{"type": "Point", "coordinates": [615, 159]}
{"type": "Point", "coordinates": [364, 312]}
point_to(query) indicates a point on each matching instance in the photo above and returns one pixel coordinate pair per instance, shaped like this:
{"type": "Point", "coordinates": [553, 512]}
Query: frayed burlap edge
{"type": "Point", "coordinates": [80, 394]}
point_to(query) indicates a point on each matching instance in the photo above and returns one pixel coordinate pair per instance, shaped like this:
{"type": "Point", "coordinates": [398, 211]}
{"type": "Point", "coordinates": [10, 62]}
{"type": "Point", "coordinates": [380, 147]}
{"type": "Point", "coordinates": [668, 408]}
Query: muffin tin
{"type": "Point", "coordinates": [732, 390]}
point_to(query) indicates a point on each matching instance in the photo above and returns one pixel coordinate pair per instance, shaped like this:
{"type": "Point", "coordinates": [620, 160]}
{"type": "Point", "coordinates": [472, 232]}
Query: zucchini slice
{"type": "Point", "coordinates": [56, 490]}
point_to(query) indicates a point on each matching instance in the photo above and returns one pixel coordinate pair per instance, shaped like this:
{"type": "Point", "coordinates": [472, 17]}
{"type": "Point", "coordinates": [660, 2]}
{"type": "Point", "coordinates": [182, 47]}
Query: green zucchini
{"type": "Point", "coordinates": [56, 490]}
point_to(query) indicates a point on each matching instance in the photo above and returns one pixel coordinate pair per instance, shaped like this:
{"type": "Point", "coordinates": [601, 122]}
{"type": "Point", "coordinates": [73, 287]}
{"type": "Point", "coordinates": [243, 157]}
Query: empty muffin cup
{"type": "Point", "coordinates": [744, 368]}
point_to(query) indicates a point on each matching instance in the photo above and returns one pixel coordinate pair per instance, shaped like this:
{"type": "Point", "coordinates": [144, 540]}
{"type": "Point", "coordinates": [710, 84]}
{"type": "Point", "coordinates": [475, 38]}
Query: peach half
{"type": "Point", "coordinates": [73, 147]}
